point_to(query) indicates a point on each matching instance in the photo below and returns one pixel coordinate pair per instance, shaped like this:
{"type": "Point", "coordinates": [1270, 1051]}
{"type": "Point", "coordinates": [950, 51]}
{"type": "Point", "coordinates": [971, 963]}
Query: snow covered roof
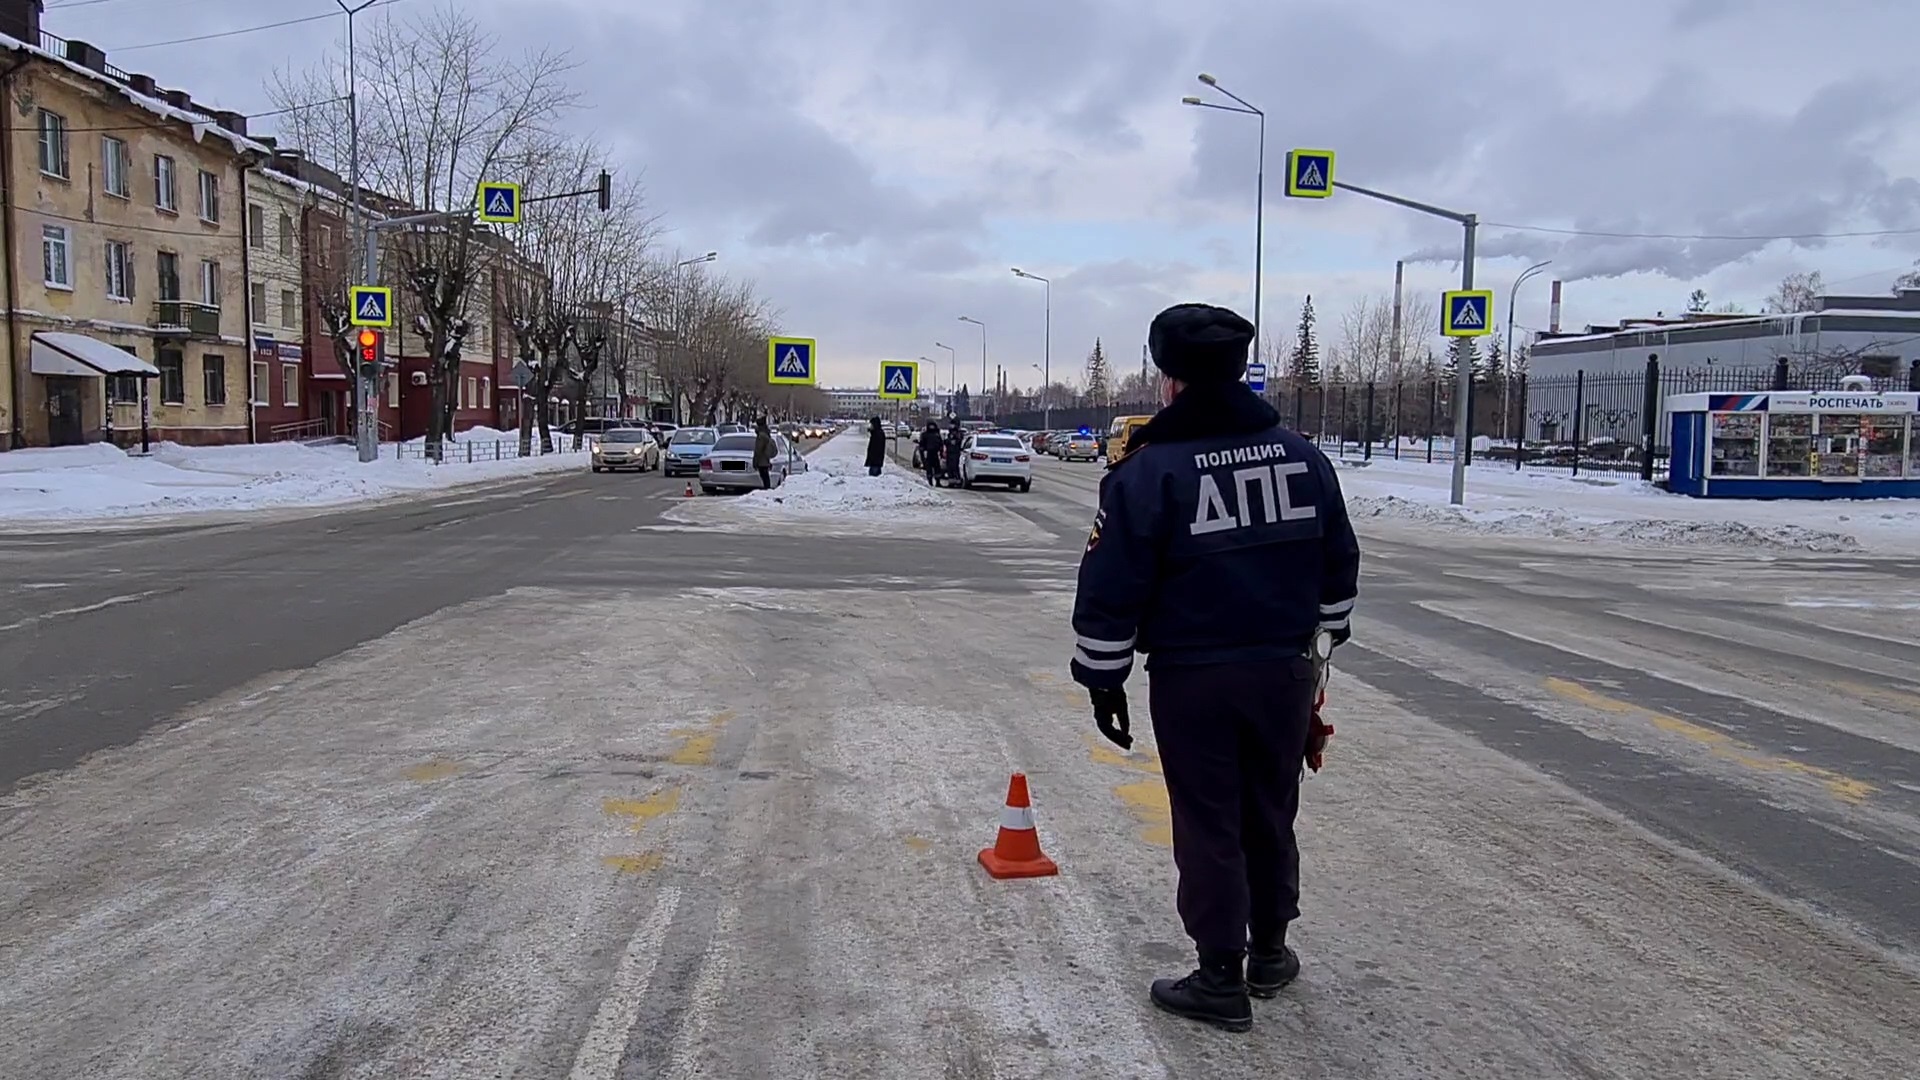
{"type": "Point", "coordinates": [56, 353]}
{"type": "Point", "coordinates": [200, 126]}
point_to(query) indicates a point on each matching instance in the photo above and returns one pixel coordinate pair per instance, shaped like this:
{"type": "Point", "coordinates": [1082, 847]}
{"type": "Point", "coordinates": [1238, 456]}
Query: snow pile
{"type": "Point", "coordinates": [1502, 501]}
{"type": "Point", "coordinates": [820, 493]}
{"type": "Point", "coordinates": [101, 481]}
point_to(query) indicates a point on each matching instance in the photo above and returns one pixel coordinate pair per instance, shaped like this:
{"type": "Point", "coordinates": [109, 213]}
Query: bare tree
{"type": "Point", "coordinates": [442, 110]}
{"type": "Point", "coordinates": [1795, 293]}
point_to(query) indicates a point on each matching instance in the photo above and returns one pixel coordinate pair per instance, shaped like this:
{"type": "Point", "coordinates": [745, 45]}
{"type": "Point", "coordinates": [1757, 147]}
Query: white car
{"type": "Point", "coordinates": [728, 466]}
{"type": "Point", "coordinates": [996, 459]}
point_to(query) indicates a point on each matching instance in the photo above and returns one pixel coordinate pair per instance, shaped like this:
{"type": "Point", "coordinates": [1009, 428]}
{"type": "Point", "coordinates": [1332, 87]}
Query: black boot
{"type": "Point", "coordinates": [1270, 964]}
{"type": "Point", "coordinates": [1215, 994]}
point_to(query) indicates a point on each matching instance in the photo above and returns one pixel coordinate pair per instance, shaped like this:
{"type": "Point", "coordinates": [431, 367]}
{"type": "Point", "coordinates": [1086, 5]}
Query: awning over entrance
{"type": "Point", "coordinates": [77, 354]}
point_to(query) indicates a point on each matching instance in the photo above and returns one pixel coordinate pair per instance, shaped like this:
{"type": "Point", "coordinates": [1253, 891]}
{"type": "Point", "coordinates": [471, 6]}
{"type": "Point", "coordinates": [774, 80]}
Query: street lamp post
{"type": "Point", "coordinates": [1507, 382]}
{"type": "Point", "coordinates": [366, 424]}
{"type": "Point", "coordinates": [983, 349]}
{"type": "Point", "coordinates": [952, 373]}
{"type": "Point", "coordinates": [1046, 351]}
{"type": "Point", "coordinates": [1259, 193]}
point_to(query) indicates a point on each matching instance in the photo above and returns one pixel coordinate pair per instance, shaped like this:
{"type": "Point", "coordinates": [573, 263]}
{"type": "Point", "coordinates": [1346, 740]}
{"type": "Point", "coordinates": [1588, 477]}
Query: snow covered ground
{"type": "Point", "coordinates": [78, 484]}
{"type": "Point", "coordinates": [1542, 504]}
{"type": "Point", "coordinates": [835, 495]}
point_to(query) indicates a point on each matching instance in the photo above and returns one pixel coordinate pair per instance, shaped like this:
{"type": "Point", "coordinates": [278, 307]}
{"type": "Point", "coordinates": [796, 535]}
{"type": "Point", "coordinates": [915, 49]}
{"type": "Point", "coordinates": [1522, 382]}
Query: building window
{"type": "Point", "coordinates": [115, 164]}
{"type": "Point", "coordinates": [119, 270]}
{"type": "Point", "coordinates": [166, 196]}
{"type": "Point", "coordinates": [167, 267]}
{"type": "Point", "coordinates": [473, 393]}
{"type": "Point", "coordinates": [486, 393]}
{"type": "Point", "coordinates": [262, 382]}
{"type": "Point", "coordinates": [393, 390]}
{"type": "Point", "coordinates": [124, 389]}
{"type": "Point", "coordinates": [213, 378]}
{"type": "Point", "coordinates": [290, 384]}
{"type": "Point", "coordinates": [323, 251]}
{"type": "Point", "coordinates": [173, 376]}
{"type": "Point", "coordinates": [209, 196]}
{"type": "Point", "coordinates": [256, 224]}
{"type": "Point", "coordinates": [289, 309]}
{"type": "Point", "coordinates": [53, 144]}
{"type": "Point", "coordinates": [53, 256]}
{"type": "Point", "coordinates": [286, 234]}
{"type": "Point", "coordinates": [259, 298]}
{"type": "Point", "coordinates": [1879, 367]}
{"type": "Point", "coordinates": [210, 283]}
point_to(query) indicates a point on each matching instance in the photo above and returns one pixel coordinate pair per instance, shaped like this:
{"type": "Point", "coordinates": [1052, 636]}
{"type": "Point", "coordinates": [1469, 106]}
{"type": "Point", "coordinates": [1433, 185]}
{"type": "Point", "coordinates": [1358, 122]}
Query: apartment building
{"type": "Point", "coordinates": [124, 258]}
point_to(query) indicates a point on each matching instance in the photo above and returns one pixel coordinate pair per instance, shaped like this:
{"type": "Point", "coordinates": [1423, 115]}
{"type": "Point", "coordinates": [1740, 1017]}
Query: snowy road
{"type": "Point", "coordinates": [545, 784]}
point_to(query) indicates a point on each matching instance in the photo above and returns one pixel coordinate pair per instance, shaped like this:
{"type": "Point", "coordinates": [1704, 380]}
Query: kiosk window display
{"type": "Point", "coordinates": [1796, 444]}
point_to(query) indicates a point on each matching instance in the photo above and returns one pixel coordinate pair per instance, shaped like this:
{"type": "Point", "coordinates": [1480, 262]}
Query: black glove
{"type": "Point", "coordinates": [1110, 714]}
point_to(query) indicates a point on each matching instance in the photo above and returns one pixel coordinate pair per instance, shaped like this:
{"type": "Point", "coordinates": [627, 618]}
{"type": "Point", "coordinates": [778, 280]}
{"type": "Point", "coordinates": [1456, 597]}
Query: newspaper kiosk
{"type": "Point", "coordinates": [1796, 444]}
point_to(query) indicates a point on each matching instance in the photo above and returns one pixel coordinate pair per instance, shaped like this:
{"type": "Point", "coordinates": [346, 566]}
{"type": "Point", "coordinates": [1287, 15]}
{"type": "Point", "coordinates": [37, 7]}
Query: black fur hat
{"type": "Point", "coordinates": [1200, 343]}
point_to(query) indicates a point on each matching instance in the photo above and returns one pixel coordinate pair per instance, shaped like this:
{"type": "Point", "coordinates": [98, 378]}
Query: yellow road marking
{"type": "Point", "coordinates": [642, 811]}
{"type": "Point", "coordinates": [697, 744]}
{"type": "Point", "coordinates": [635, 864]}
{"type": "Point", "coordinates": [427, 772]}
{"type": "Point", "coordinates": [1146, 797]}
{"type": "Point", "coordinates": [920, 844]}
{"type": "Point", "coordinates": [1718, 743]}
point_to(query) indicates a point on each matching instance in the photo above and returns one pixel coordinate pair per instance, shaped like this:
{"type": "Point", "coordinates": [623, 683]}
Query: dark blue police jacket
{"type": "Point", "coordinates": [1223, 538]}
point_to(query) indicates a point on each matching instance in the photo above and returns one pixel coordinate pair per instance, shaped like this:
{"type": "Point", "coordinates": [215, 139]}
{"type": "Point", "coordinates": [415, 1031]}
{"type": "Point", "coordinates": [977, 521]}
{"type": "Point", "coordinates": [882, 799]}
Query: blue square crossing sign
{"type": "Point", "coordinates": [899, 379]}
{"type": "Point", "coordinates": [370, 305]}
{"type": "Point", "coordinates": [790, 361]}
{"type": "Point", "coordinates": [499, 202]}
{"type": "Point", "coordinates": [1309, 174]}
{"type": "Point", "coordinates": [1466, 313]}
{"type": "Point", "coordinates": [1257, 377]}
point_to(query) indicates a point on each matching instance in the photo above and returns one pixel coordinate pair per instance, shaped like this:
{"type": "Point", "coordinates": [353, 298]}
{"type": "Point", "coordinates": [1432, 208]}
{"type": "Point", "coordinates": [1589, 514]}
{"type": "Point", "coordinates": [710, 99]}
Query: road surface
{"type": "Point", "coordinates": [535, 782]}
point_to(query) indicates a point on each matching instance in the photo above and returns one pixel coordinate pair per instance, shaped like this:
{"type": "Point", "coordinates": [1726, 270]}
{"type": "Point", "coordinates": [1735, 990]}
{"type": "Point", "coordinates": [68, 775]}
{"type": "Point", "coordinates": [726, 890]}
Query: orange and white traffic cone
{"type": "Point", "coordinates": [1016, 853]}
{"type": "Point", "coordinates": [689, 493]}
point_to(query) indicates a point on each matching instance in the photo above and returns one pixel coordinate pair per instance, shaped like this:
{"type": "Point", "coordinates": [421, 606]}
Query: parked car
{"type": "Point", "coordinates": [626, 448]}
{"type": "Point", "coordinates": [594, 425]}
{"type": "Point", "coordinates": [728, 466]}
{"type": "Point", "coordinates": [686, 448]}
{"type": "Point", "coordinates": [996, 459]}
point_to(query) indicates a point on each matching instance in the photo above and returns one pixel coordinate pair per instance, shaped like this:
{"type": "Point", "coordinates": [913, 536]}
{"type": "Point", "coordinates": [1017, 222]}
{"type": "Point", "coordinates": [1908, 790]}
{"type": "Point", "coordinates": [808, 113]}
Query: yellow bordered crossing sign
{"type": "Point", "coordinates": [499, 202]}
{"type": "Point", "coordinates": [370, 305]}
{"type": "Point", "coordinates": [790, 361]}
{"type": "Point", "coordinates": [899, 379]}
{"type": "Point", "coordinates": [1309, 174]}
{"type": "Point", "coordinates": [1466, 313]}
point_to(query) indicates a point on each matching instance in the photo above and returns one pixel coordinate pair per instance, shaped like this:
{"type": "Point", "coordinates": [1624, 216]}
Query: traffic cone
{"type": "Point", "coordinates": [689, 489]}
{"type": "Point", "coordinates": [1016, 853]}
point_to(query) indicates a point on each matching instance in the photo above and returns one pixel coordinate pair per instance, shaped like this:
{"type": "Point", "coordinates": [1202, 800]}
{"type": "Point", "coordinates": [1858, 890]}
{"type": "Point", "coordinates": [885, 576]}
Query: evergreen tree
{"type": "Point", "coordinates": [1493, 365]}
{"type": "Point", "coordinates": [961, 406]}
{"type": "Point", "coordinates": [1303, 367]}
{"type": "Point", "coordinates": [1697, 301]}
{"type": "Point", "coordinates": [1099, 377]}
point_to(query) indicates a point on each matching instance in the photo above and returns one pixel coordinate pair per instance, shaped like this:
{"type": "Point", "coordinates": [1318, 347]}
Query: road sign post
{"type": "Point", "coordinates": [790, 361]}
{"type": "Point", "coordinates": [899, 380]}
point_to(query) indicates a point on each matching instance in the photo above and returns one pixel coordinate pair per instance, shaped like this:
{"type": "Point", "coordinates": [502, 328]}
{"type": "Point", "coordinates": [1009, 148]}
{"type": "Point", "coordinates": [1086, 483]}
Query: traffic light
{"type": "Point", "coordinates": [606, 191]}
{"type": "Point", "coordinates": [370, 354]}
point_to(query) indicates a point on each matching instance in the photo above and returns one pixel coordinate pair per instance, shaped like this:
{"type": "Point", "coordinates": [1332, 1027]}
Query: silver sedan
{"type": "Point", "coordinates": [729, 465]}
{"type": "Point", "coordinates": [626, 448]}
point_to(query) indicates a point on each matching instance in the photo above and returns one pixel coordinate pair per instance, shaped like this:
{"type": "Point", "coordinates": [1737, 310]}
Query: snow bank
{"type": "Point", "coordinates": [1556, 505]}
{"type": "Point", "coordinates": [100, 481]}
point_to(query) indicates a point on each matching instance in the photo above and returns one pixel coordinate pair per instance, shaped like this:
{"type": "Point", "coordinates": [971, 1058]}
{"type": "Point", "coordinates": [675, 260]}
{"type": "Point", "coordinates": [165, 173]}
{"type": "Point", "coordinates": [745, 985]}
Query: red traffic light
{"type": "Point", "coordinates": [369, 347]}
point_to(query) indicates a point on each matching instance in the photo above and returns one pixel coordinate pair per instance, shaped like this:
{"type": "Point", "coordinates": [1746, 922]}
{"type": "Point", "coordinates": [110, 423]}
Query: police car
{"type": "Point", "coordinates": [996, 459]}
{"type": "Point", "coordinates": [1079, 446]}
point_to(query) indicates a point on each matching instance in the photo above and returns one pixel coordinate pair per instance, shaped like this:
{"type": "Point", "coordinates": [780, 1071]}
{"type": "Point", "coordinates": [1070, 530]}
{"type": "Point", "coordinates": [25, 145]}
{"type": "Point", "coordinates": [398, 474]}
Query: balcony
{"type": "Point", "coordinates": [187, 318]}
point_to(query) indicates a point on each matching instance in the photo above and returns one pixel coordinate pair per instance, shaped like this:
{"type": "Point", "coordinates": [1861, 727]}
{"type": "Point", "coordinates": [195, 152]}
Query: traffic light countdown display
{"type": "Point", "coordinates": [370, 354]}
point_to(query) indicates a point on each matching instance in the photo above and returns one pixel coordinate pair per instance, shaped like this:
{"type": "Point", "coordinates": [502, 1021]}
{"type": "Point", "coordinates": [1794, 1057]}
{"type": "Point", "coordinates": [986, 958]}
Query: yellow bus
{"type": "Point", "coordinates": [1121, 433]}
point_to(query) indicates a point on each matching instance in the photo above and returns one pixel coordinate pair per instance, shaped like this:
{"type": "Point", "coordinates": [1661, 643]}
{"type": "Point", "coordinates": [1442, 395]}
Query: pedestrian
{"type": "Point", "coordinates": [876, 446]}
{"type": "Point", "coordinates": [930, 447]}
{"type": "Point", "coordinates": [1222, 551]}
{"type": "Point", "coordinates": [763, 452]}
{"type": "Point", "coordinates": [955, 437]}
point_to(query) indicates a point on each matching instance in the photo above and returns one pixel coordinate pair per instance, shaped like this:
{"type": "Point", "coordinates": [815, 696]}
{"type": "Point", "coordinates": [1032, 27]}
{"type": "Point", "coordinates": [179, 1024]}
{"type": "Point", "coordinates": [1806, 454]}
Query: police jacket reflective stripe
{"type": "Point", "coordinates": [1223, 538]}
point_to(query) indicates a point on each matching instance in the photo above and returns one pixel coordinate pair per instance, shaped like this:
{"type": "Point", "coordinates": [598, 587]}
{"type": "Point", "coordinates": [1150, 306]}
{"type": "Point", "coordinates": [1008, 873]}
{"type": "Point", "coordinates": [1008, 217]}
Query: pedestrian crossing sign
{"type": "Point", "coordinates": [790, 361]}
{"type": "Point", "coordinates": [499, 202]}
{"type": "Point", "coordinates": [1309, 174]}
{"type": "Point", "coordinates": [370, 305]}
{"type": "Point", "coordinates": [899, 379]}
{"type": "Point", "coordinates": [1466, 313]}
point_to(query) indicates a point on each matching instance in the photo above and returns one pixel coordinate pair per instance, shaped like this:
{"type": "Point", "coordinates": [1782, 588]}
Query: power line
{"type": "Point", "coordinates": [235, 33]}
{"type": "Point", "coordinates": [1851, 235]}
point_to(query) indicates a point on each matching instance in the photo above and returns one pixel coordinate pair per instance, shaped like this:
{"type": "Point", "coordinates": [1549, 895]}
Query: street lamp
{"type": "Point", "coordinates": [707, 258]}
{"type": "Point", "coordinates": [983, 349]}
{"type": "Point", "coordinates": [1507, 382]}
{"type": "Point", "coordinates": [1046, 373]}
{"type": "Point", "coordinates": [951, 373]}
{"type": "Point", "coordinates": [1259, 192]}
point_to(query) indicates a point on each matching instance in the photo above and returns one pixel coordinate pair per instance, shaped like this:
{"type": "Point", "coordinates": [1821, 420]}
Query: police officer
{"type": "Point", "coordinates": [1222, 551]}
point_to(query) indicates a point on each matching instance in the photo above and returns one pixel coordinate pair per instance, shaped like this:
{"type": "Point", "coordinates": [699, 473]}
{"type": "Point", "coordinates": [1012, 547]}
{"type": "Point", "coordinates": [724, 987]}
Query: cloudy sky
{"type": "Point", "coordinates": [877, 166]}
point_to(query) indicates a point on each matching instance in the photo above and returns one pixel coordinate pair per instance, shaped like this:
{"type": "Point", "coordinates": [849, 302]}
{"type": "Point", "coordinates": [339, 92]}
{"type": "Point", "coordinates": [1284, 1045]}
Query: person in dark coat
{"type": "Point", "coordinates": [763, 452]}
{"type": "Point", "coordinates": [876, 446]}
{"type": "Point", "coordinates": [1222, 551]}
{"type": "Point", "coordinates": [931, 445]}
{"type": "Point", "coordinates": [955, 436]}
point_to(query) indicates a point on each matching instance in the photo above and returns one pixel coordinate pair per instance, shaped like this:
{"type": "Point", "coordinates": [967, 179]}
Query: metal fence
{"type": "Point", "coordinates": [1595, 422]}
{"type": "Point", "coordinates": [468, 451]}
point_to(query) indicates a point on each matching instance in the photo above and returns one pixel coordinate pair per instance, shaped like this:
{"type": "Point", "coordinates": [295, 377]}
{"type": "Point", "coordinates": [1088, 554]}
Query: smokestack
{"type": "Point", "coordinates": [1393, 345]}
{"type": "Point", "coordinates": [1553, 315]}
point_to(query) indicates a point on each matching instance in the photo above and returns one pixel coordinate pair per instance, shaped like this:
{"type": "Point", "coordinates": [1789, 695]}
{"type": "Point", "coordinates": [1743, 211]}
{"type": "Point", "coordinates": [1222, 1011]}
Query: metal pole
{"type": "Point", "coordinates": [1259, 233]}
{"type": "Point", "coordinates": [365, 406]}
{"type": "Point", "coordinates": [1463, 371]}
{"type": "Point", "coordinates": [1046, 362]}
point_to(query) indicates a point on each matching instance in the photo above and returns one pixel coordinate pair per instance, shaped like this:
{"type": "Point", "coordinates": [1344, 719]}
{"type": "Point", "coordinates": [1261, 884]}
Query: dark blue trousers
{"type": "Point", "coordinates": [1231, 739]}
